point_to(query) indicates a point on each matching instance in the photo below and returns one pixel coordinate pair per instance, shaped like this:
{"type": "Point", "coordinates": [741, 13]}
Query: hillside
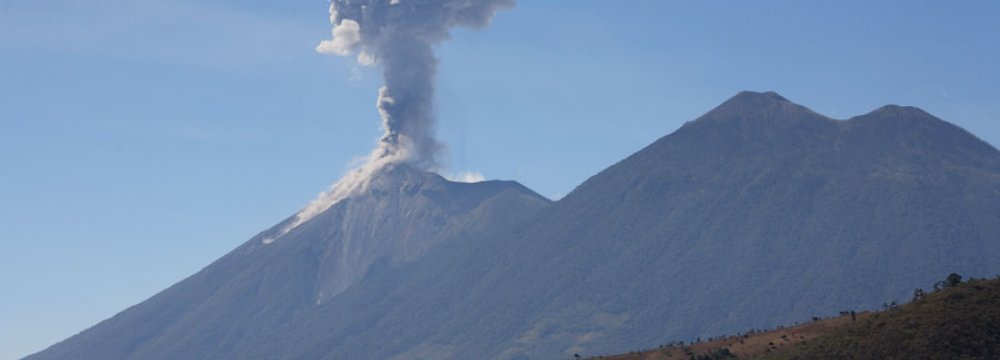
{"type": "Point", "coordinates": [262, 285]}
{"type": "Point", "coordinates": [959, 322]}
{"type": "Point", "coordinates": [752, 344]}
{"type": "Point", "coordinates": [759, 213]}
{"type": "Point", "coordinates": [962, 322]}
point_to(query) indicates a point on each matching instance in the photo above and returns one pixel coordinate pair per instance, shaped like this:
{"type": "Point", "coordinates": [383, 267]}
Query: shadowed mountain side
{"type": "Point", "coordinates": [754, 220]}
{"type": "Point", "coordinates": [759, 213]}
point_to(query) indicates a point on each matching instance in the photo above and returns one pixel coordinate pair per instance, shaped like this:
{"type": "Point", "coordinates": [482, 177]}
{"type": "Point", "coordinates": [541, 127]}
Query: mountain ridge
{"type": "Point", "coordinates": [731, 222]}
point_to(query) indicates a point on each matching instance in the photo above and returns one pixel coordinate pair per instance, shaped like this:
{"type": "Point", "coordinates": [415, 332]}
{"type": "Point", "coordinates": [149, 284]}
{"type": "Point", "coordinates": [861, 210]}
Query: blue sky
{"type": "Point", "coordinates": [142, 139]}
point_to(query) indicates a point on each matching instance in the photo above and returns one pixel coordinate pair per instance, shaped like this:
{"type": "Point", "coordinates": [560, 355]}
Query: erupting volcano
{"type": "Point", "coordinates": [398, 37]}
{"type": "Point", "coordinates": [759, 213]}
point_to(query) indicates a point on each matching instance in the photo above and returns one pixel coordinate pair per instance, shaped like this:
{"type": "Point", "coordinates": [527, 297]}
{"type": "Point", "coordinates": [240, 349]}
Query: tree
{"type": "Point", "coordinates": [953, 280]}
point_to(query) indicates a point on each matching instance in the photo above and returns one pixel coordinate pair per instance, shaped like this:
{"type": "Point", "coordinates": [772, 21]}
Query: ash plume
{"type": "Point", "coordinates": [399, 37]}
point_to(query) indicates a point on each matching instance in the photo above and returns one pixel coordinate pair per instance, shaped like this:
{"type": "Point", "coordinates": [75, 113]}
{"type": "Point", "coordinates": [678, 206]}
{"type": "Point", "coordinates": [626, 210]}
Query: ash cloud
{"type": "Point", "coordinates": [399, 37]}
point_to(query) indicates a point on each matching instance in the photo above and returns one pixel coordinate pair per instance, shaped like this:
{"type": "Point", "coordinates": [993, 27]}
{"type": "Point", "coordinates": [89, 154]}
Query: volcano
{"type": "Point", "coordinates": [759, 213]}
{"type": "Point", "coordinates": [271, 279]}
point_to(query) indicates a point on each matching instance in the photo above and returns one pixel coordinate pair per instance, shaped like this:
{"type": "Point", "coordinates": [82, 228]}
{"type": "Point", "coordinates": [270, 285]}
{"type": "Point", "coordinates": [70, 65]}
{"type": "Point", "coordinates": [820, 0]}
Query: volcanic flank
{"type": "Point", "coordinates": [402, 214]}
{"type": "Point", "coordinates": [759, 213]}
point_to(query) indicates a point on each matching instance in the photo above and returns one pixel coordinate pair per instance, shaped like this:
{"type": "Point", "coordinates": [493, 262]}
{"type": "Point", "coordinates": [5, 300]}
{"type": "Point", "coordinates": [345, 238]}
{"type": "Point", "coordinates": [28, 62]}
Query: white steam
{"type": "Point", "coordinates": [346, 37]}
{"type": "Point", "coordinates": [466, 177]}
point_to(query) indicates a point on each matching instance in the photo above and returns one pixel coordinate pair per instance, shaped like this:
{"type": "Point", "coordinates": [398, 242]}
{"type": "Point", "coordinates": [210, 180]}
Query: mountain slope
{"type": "Point", "coordinates": [961, 322]}
{"type": "Point", "coordinates": [762, 212]}
{"type": "Point", "coordinates": [241, 297]}
{"type": "Point", "coordinates": [759, 213]}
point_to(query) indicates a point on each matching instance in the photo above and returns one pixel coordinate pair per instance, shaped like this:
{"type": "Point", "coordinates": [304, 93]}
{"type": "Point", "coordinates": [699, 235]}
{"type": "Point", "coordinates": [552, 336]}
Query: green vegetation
{"type": "Point", "coordinates": [960, 321]}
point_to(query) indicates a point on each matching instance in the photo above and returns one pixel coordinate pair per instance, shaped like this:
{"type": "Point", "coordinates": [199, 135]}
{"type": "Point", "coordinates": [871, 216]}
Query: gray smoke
{"type": "Point", "coordinates": [399, 36]}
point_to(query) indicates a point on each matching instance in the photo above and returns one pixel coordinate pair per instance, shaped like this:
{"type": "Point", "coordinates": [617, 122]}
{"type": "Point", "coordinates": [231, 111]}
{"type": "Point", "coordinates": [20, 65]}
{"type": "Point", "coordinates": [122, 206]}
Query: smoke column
{"type": "Point", "coordinates": [397, 36]}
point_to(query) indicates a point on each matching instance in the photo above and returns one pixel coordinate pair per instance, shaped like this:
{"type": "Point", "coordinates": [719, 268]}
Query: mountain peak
{"type": "Point", "coordinates": [394, 175]}
{"type": "Point", "coordinates": [755, 112]}
{"type": "Point", "coordinates": [407, 179]}
{"type": "Point", "coordinates": [752, 97]}
{"type": "Point", "coordinates": [904, 112]}
{"type": "Point", "coordinates": [906, 119]}
{"type": "Point", "coordinates": [750, 105]}
{"type": "Point", "coordinates": [756, 102]}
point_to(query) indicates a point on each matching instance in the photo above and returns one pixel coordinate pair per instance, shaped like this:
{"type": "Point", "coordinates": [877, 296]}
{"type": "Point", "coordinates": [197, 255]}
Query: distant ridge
{"type": "Point", "coordinates": [759, 213]}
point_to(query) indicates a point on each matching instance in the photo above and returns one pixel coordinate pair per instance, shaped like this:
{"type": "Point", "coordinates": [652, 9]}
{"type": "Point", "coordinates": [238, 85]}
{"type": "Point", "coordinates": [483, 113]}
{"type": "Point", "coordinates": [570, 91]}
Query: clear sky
{"type": "Point", "coordinates": [142, 139]}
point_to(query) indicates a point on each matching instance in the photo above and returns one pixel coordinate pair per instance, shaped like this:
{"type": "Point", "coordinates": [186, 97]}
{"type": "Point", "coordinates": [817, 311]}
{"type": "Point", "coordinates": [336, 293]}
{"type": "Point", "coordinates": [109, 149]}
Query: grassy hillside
{"type": "Point", "coordinates": [752, 345]}
{"type": "Point", "coordinates": [961, 321]}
